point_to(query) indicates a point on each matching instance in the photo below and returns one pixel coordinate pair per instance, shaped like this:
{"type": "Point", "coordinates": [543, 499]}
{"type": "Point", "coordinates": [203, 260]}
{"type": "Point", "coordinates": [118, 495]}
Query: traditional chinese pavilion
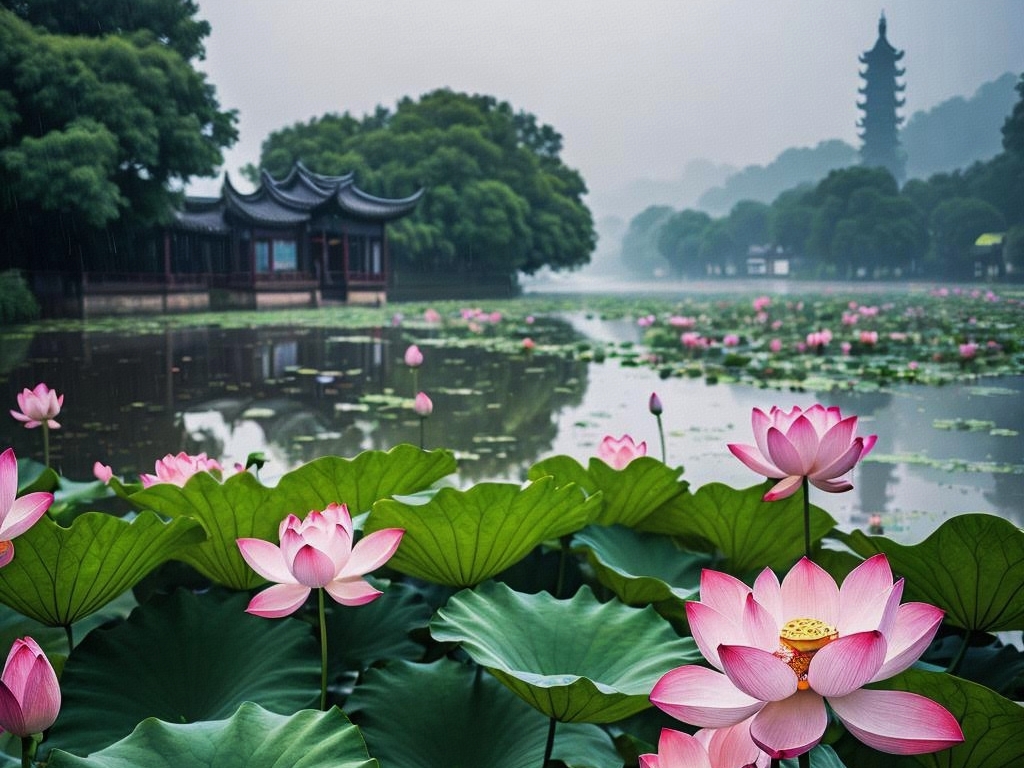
{"type": "Point", "coordinates": [879, 127]}
{"type": "Point", "coordinates": [294, 240]}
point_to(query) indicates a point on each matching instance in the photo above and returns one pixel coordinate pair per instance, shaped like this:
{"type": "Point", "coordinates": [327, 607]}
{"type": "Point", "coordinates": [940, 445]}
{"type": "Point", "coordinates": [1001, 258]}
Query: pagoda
{"type": "Point", "coordinates": [879, 127]}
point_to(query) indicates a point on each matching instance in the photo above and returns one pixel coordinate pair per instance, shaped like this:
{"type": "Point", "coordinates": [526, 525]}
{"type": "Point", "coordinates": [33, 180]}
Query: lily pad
{"type": "Point", "coordinates": [496, 729]}
{"type": "Point", "coordinates": [575, 660]}
{"type": "Point", "coordinates": [460, 538]}
{"type": "Point", "coordinates": [748, 532]}
{"type": "Point", "coordinates": [61, 575]}
{"type": "Point", "coordinates": [642, 568]}
{"type": "Point", "coordinates": [251, 738]}
{"type": "Point", "coordinates": [972, 566]}
{"type": "Point", "coordinates": [630, 494]}
{"type": "Point", "coordinates": [182, 658]}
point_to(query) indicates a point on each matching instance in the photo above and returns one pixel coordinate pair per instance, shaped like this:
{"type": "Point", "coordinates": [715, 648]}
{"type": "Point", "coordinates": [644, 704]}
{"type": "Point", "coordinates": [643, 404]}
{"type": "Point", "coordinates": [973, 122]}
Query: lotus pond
{"type": "Point", "coordinates": [540, 599]}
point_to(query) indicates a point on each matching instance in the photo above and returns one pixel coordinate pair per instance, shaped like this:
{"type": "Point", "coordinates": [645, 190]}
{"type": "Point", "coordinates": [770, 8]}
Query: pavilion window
{"type": "Point", "coordinates": [262, 251]}
{"type": "Point", "coordinates": [276, 255]}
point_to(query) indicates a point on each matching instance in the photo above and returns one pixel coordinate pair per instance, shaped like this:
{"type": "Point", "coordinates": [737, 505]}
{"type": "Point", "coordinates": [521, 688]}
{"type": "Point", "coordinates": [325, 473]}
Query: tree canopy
{"type": "Point", "coordinates": [102, 118]}
{"type": "Point", "coordinates": [498, 198]}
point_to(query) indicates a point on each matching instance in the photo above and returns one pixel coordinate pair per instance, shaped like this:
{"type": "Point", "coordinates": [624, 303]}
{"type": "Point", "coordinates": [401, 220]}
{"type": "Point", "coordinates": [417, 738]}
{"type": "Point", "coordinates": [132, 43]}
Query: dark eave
{"type": "Point", "coordinates": [260, 208]}
{"type": "Point", "coordinates": [353, 200]}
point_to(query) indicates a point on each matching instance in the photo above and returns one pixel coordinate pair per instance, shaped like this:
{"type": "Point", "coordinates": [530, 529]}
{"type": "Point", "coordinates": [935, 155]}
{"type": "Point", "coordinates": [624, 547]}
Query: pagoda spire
{"type": "Point", "coordinates": [879, 126]}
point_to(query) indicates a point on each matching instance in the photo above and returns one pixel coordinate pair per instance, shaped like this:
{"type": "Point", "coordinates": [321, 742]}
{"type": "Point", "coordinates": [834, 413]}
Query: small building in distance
{"type": "Point", "coordinates": [294, 241]}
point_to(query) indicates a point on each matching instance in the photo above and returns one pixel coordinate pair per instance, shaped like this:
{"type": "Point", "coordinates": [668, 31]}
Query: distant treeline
{"type": "Point", "coordinates": [856, 222]}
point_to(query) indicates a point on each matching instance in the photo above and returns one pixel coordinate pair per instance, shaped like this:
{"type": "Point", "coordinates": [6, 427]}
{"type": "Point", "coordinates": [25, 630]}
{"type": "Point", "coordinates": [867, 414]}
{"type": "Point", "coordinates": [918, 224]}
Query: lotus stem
{"type": "Point", "coordinates": [46, 445]}
{"type": "Point", "coordinates": [69, 633]}
{"type": "Point", "coordinates": [807, 517]}
{"type": "Point", "coordinates": [422, 435]}
{"type": "Point", "coordinates": [28, 750]}
{"type": "Point", "coordinates": [323, 649]}
{"type": "Point", "coordinates": [661, 437]}
{"type": "Point", "coordinates": [550, 745]}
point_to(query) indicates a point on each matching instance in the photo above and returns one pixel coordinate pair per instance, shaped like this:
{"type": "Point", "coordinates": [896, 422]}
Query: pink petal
{"type": "Point", "coordinates": [278, 601]}
{"type": "Point", "coordinates": [869, 443]}
{"type": "Point", "coordinates": [758, 673]}
{"type": "Point", "coordinates": [313, 567]}
{"type": "Point", "coordinates": [352, 591]}
{"type": "Point", "coordinates": [760, 627]}
{"type": "Point", "coordinates": [266, 559]}
{"type": "Point", "coordinates": [40, 701]}
{"type": "Point", "coordinates": [911, 633]}
{"type": "Point", "coordinates": [8, 480]}
{"type": "Point", "coordinates": [786, 456]}
{"type": "Point", "coordinates": [681, 750]}
{"type": "Point", "coordinates": [372, 551]}
{"type": "Point", "coordinates": [897, 722]}
{"type": "Point", "coordinates": [11, 717]}
{"type": "Point", "coordinates": [18, 667]}
{"type": "Point", "coordinates": [761, 423]}
{"type": "Point", "coordinates": [805, 441]}
{"type": "Point", "coordinates": [711, 629]}
{"type": "Point", "coordinates": [790, 727]}
{"type": "Point", "coordinates": [838, 466]}
{"type": "Point", "coordinates": [808, 592]}
{"type": "Point", "coordinates": [768, 593]}
{"type": "Point", "coordinates": [24, 513]}
{"type": "Point", "coordinates": [731, 746]}
{"type": "Point", "coordinates": [753, 459]}
{"type": "Point", "coordinates": [784, 488]}
{"type": "Point", "coordinates": [832, 486]}
{"type": "Point", "coordinates": [702, 697]}
{"type": "Point", "coordinates": [863, 596]}
{"type": "Point", "coordinates": [835, 442]}
{"type": "Point", "coordinates": [846, 664]}
{"type": "Point", "coordinates": [6, 552]}
{"type": "Point", "coordinates": [723, 592]}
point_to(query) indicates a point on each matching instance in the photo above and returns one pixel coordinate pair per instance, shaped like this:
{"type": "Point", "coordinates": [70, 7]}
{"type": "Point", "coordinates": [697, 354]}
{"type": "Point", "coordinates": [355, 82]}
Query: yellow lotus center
{"type": "Point", "coordinates": [800, 639]}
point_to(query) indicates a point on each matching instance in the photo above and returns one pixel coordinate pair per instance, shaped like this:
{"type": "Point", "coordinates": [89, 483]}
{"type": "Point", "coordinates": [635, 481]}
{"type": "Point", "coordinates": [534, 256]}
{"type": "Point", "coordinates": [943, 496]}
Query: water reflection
{"type": "Point", "coordinates": [296, 394]}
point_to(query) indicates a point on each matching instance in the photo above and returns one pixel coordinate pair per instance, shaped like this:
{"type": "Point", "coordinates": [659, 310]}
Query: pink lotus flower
{"type": "Point", "coordinates": [413, 356]}
{"type": "Point", "coordinates": [423, 405]}
{"type": "Point", "coordinates": [784, 650]}
{"type": "Point", "coordinates": [708, 748]}
{"type": "Point", "coordinates": [617, 453]}
{"type": "Point", "coordinates": [431, 315]}
{"type": "Point", "coordinates": [967, 352]}
{"type": "Point", "coordinates": [817, 443]}
{"type": "Point", "coordinates": [178, 469]}
{"type": "Point", "coordinates": [317, 553]}
{"type": "Point", "coordinates": [102, 472]}
{"type": "Point", "coordinates": [16, 515]}
{"type": "Point", "coordinates": [29, 691]}
{"type": "Point", "coordinates": [39, 406]}
{"type": "Point", "coordinates": [654, 405]}
{"type": "Point", "coordinates": [529, 344]}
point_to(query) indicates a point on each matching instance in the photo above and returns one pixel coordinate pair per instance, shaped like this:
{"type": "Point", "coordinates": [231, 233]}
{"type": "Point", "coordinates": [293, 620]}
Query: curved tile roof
{"type": "Point", "coordinates": [291, 201]}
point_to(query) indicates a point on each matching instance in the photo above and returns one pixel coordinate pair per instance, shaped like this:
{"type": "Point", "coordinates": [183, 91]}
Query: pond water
{"type": "Point", "coordinates": [299, 393]}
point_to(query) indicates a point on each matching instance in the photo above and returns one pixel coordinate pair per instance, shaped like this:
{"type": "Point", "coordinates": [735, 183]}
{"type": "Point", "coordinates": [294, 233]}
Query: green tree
{"type": "Point", "coordinates": [498, 198]}
{"type": "Point", "coordinates": [955, 225]}
{"type": "Point", "coordinates": [97, 132]}
{"type": "Point", "coordinates": [679, 240]}
{"type": "Point", "coordinates": [748, 223]}
{"type": "Point", "coordinates": [640, 249]}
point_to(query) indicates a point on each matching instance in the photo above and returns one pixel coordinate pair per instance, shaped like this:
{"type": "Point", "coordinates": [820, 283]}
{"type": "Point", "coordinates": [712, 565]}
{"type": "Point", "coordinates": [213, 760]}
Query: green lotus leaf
{"type": "Point", "coordinates": [461, 538]}
{"type": "Point", "coordinates": [402, 708]}
{"type": "Point", "coordinates": [630, 494]}
{"type": "Point", "coordinates": [61, 575]}
{"type": "Point", "coordinates": [971, 566]}
{"type": "Point", "coordinates": [239, 507]}
{"type": "Point", "coordinates": [251, 738]}
{"type": "Point", "coordinates": [992, 726]}
{"type": "Point", "coordinates": [642, 568]}
{"type": "Point", "coordinates": [242, 507]}
{"type": "Point", "coordinates": [182, 658]}
{"type": "Point", "coordinates": [576, 660]}
{"type": "Point", "coordinates": [749, 533]}
{"type": "Point", "coordinates": [363, 480]}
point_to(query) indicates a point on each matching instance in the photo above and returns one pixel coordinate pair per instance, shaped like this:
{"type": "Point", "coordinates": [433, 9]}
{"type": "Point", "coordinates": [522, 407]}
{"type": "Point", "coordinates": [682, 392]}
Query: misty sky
{"type": "Point", "coordinates": [637, 88]}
